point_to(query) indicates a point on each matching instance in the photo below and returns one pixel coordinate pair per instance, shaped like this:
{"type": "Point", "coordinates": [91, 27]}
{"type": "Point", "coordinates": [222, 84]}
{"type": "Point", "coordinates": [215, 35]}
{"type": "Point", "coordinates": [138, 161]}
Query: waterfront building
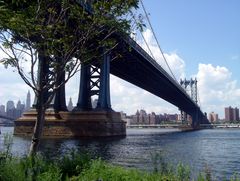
{"type": "Point", "coordinates": [172, 117]}
{"type": "Point", "coordinates": [143, 118]}
{"type": "Point", "coordinates": [213, 117]}
{"type": "Point", "coordinates": [127, 119]}
{"type": "Point", "coordinates": [168, 117]}
{"type": "Point", "coordinates": [135, 118]}
{"type": "Point", "coordinates": [236, 114]}
{"type": "Point", "coordinates": [231, 114]}
{"type": "Point", "coordinates": [152, 118]}
{"type": "Point", "coordinates": [228, 113]}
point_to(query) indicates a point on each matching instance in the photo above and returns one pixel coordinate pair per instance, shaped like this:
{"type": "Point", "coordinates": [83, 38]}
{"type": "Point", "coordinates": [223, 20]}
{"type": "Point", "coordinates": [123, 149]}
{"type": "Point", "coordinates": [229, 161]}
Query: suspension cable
{"type": "Point", "coordinates": [157, 40]}
{"type": "Point", "coordinates": [144, 39]}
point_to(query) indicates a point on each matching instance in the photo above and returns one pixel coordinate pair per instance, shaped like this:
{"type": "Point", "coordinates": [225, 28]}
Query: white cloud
{"type": "Point", "coordinates": [129, 98]}
{"type": "Point", "coordinates": [217, 89]}
{"type": "Point", "coordinates": [124, 96]}
{"type": "Point", "coordinates": [176, 64]}
{"type": "Point", "coordinates": [12, 86]}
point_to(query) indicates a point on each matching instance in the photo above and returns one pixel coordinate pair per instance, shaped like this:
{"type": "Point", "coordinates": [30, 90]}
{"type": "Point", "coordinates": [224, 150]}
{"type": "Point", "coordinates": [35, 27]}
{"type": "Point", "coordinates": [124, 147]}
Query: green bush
{"type": "Point", "coordinates": [73, 163]}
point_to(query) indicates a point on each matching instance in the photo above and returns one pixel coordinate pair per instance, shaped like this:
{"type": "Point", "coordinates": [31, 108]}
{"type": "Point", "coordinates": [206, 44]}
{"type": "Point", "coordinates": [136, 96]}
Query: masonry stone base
{"type": "Point", "coordinates": [73, 124]}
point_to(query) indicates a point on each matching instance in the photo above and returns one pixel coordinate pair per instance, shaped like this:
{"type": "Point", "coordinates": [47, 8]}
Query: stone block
{"type": "Point", "coordinates": [73, 124]}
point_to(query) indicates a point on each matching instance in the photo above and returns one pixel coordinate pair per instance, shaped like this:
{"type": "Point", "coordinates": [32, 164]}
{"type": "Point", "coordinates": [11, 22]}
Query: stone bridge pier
{"type": "Point", "coordinates": [84, 120]}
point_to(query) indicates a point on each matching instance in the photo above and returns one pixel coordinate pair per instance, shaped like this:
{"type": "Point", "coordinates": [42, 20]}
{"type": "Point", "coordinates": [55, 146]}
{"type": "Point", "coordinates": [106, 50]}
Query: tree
{"type": "Point", "coordinates": [53, 37]}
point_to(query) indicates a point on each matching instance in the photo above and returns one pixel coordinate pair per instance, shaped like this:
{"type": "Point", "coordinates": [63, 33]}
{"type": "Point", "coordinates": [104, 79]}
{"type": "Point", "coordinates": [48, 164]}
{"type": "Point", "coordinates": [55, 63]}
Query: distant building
{"type": "Point", "coordinates": [235, 114]}
{"type": "Point", "coordinates": [135, 118]}
{"type": "Point", "coordinates": [10, 105]}
{"type": "Point", "coordinates": [2, 110]}
{"type": "Point", "coordinates": [213, 117]}
{"type": "Point", "coordinates": [172, 117]}
{"type": "Point", "coordinates": [28, 101]}
{"type": "Point", "coordinates": [94, 103]}
{"type": "Point", "coordinates": [19, 110]}
{"type": "Point", "coordinates": [70, 105]}
{"type": "Point", "coordinates": [152, 118]}
{"type": "Point", "coordinates": [231, 114]}
{"type": "Point", "coordinates": [125, 118]}
{"type": "Point", "coordinates": [168, 117]}
{"type": "Point", "coordinates": [143, 118]}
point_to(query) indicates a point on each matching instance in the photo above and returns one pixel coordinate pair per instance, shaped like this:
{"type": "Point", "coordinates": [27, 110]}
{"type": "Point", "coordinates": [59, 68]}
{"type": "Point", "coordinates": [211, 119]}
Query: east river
{"type": "Point", "coordinates": [217, 149]}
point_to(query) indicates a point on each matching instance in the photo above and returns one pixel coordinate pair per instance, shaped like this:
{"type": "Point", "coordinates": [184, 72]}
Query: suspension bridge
{"type": "Point", "coordinates": [137, 67]}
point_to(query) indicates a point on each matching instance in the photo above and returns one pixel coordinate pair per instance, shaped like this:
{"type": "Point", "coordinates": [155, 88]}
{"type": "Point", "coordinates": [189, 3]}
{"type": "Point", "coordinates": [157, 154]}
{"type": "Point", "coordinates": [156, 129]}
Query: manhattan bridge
{"type": "Point", "coordinates": [140, 68]}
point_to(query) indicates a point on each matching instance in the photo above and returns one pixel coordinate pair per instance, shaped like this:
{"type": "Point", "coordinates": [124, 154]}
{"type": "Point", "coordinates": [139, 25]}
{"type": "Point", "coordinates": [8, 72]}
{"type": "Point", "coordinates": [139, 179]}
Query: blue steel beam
{"type": "Point", "coordinates": [84, 98]}
{"type": "Point", "coordinates": [104, 94]}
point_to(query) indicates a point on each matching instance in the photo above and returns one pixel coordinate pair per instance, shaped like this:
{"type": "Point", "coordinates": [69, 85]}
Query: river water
{"type": "Point", "coordinates": [217, 149]}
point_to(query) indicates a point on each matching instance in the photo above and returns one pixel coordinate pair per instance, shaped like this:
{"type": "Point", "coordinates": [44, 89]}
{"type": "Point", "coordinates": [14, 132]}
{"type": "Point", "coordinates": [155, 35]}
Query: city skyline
{"type": "Point", "coordinates": [15, 109]}
{"type": "Point", "coordinates": [230, 113]}
{"type": "Point", "coordinates": [194, 47]}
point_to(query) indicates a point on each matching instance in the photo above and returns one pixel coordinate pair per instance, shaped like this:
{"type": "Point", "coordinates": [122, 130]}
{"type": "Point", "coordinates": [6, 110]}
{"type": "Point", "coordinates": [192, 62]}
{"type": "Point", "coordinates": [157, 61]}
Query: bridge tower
{"type": "Point", "coordinates": [83, 120]}
{"type": "Point", "coordinates": [95, 79]}
{"type": "Point", "coordinates": [192, 84]}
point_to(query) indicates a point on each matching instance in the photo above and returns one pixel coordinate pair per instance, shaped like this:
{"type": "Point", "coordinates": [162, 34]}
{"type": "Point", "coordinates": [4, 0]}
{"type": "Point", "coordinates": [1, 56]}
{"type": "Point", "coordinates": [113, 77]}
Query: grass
{"type": "Point", "coordinates": [76, 166]}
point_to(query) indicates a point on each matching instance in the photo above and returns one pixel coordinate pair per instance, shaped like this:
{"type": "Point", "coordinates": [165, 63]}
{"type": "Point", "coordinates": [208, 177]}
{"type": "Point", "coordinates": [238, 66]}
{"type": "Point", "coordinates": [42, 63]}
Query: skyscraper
{"type": "Point", "coordinates": [28, 101]}
{"type": "Point", "coordinates": [2, 109]}
{"type": "Point", "coordinates": [70, 105]}
{"type": "Point", "coordinates": [10, 105]}
{"type": "Point", "coordinates": [19, 109]}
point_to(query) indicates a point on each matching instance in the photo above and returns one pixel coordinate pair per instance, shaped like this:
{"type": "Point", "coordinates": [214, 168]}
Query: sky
{"type": "Point", "coordinates": [199, 38]}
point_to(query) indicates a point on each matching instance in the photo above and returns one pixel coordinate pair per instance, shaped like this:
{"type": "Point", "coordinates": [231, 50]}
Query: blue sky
{"type": "Point", "coordinates": [200, 38]}
{"type": "Point", "coordinates": [200, 31]}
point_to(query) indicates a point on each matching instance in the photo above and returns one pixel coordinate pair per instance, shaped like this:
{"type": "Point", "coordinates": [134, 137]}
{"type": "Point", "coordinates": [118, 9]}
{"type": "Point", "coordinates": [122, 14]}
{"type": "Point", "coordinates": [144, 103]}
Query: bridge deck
{"type": "Point", "coordinates": [138, 68]}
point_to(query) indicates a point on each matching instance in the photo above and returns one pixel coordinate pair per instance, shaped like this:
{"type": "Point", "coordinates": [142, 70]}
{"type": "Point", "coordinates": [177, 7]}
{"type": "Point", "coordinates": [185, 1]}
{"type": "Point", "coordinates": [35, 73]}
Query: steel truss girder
{"type": "Point", "coordinates": [94, 81]}
{"type": "Point", "coordinates": [193, 88]}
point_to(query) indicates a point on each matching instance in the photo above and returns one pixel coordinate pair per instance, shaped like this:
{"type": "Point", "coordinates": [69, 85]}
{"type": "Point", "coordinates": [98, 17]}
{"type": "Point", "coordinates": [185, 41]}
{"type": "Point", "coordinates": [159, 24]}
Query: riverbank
{"type": "Point", "coordinates": [75, 166]}
{"type": "Point", "coordinates": [216, 148]}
